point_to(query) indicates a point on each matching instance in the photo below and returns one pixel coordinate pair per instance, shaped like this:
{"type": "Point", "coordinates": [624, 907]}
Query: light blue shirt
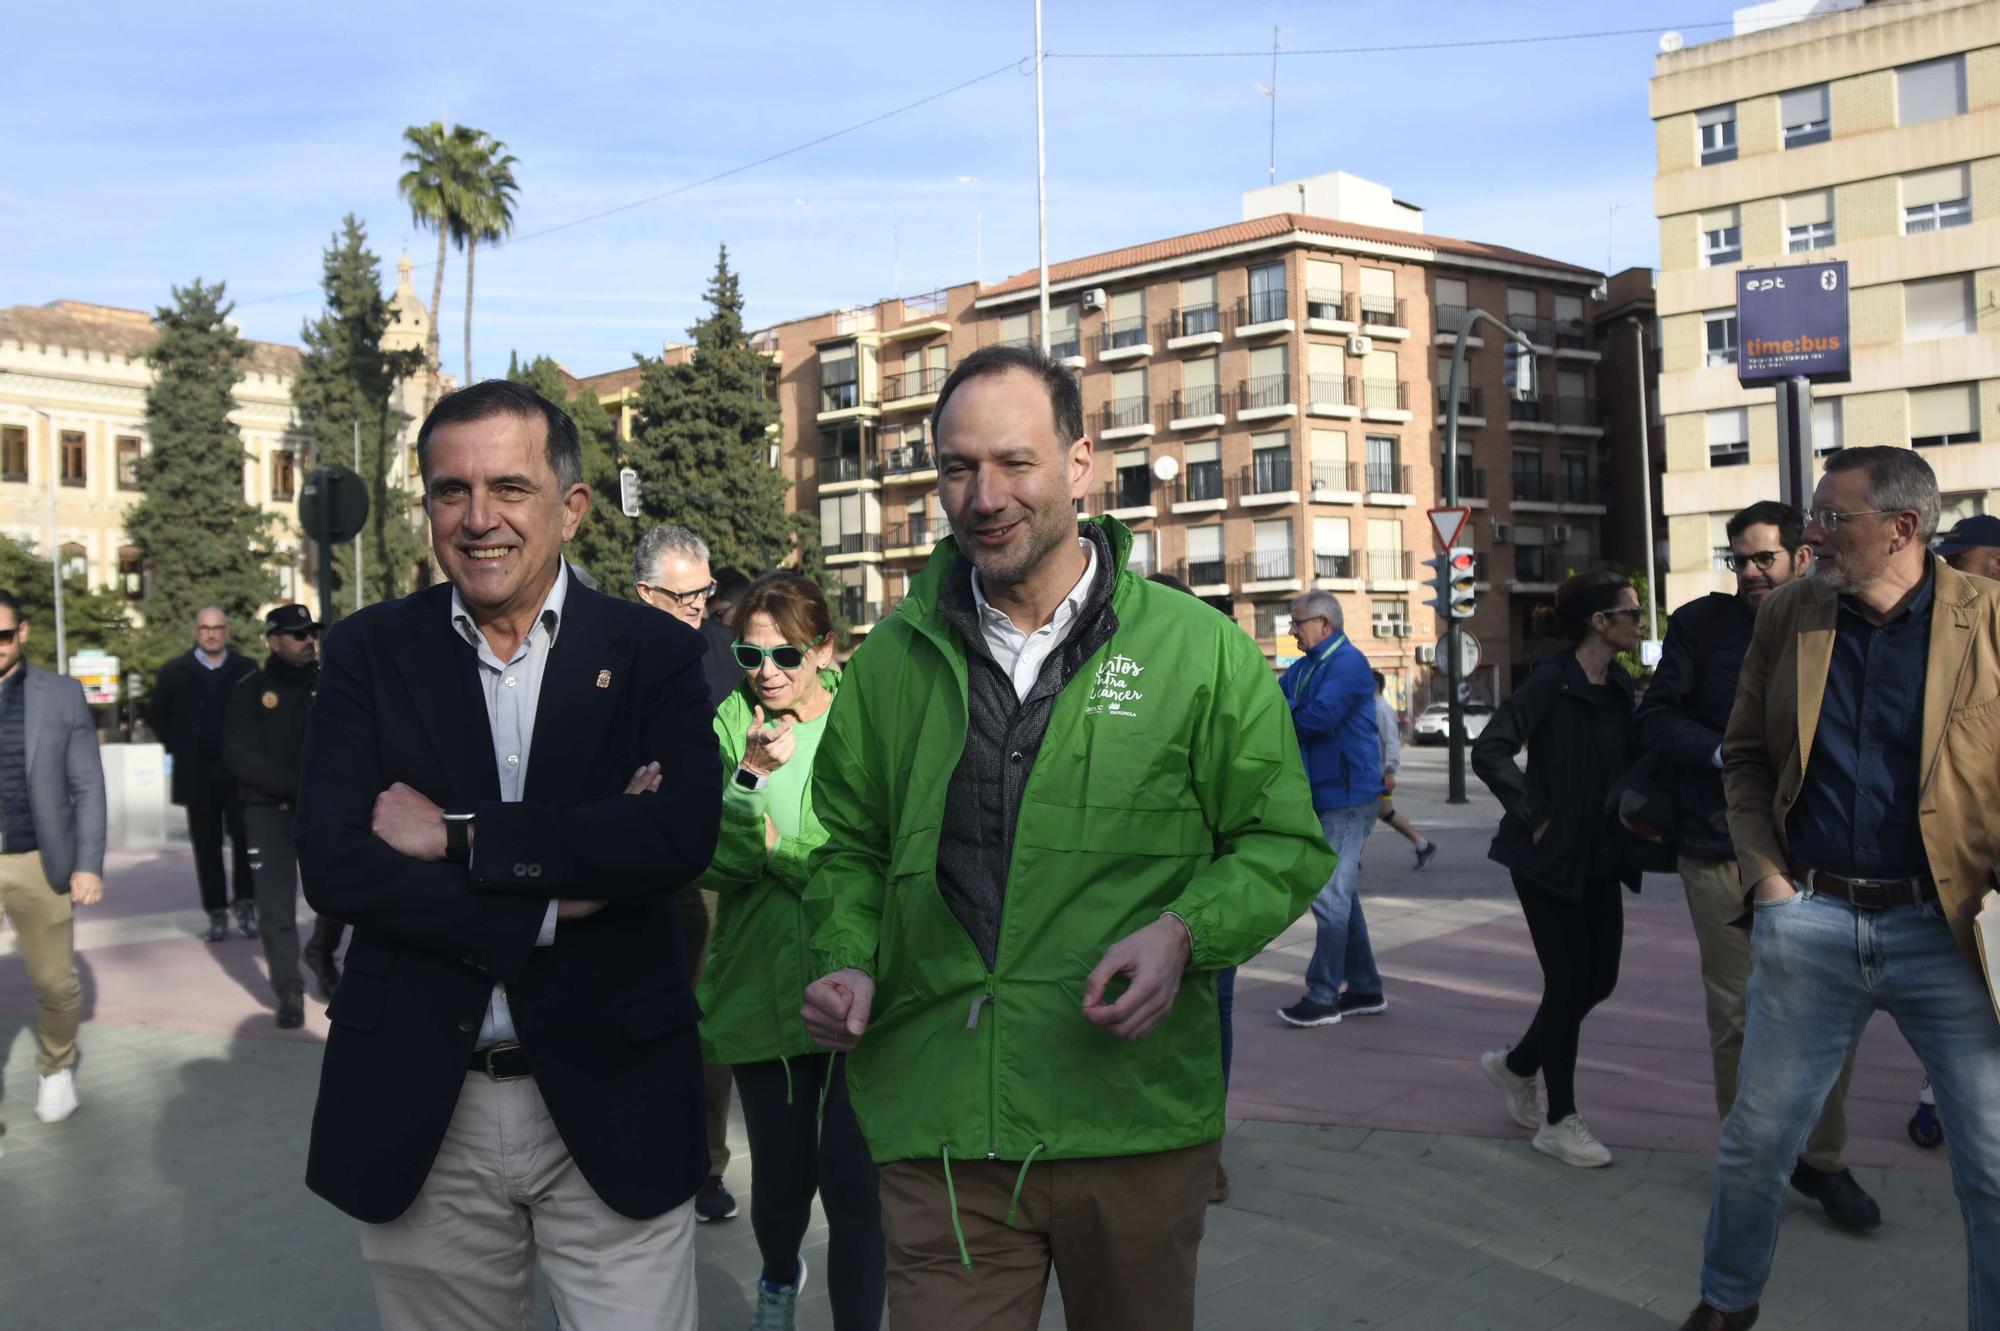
{"type": "Point", "coordinates": [513, 691]}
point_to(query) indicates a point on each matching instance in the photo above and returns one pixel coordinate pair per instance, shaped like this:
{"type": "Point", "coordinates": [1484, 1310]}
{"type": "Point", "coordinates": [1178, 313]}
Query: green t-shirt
{"type": "Point", "coordinates": [785, 792]}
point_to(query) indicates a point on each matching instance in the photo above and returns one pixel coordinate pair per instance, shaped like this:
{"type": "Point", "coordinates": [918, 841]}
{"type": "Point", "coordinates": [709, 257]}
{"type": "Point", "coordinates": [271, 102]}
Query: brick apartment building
{"type": "Point", "coordinates": [1267, 403]}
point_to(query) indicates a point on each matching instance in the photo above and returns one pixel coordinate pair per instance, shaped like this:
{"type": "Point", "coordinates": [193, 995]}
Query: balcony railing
{"type": "Point", "coordinates": [1201, 480]}
{"type": "Point", "coordinates": [1447, 318]}
{"type": "Point", "coordinates": [1536, 487]}
{"type": "Point", "coordinates": [852, 543]}
{"type": "Point", "coordinates": [1531, 563]}
{"type": "Point", "coordinates": [1122, 413]}
{"type": "Point", "coordinates": [913, 383]}
{"type": "Point", "coordinates": [1336, 476]}
{"type": "Point", "coordinates": [1322, 304]}
{"type": "Point", "coordinates": [1122, 493]}
{"type": "Point", "coordinates": [1388, 478]}
{"type": "Point", "coordinates": [1530, 409]}
{"type": "Point", "coordinates": [907, 535]}
{"type": "Point", "coordinates": [1385, 394]}
{"type": "Point", "coordinates": [927, 306]}
{"type": "Point", "coordinates": [1270, 472]}
{"type": "Point", "coordinates": [1330, 390]}
{"type": "Point", "coordinates": [909, 458]}
{"type": "Point", "coordinates": [844, 467]}
{"type": "Point", "coordinates": [1270, 566]}
{"type": "Point", "coordinates": [1384, 565]}
{"type": "Point", "coordinates": [1266, 390]}
{"type": "Point", "coordinates": [1576, 411]}
{"type": "Point", "coordinates": [1572, 334]}
{"type": "Point", "coordinates": [1190, 320]}
{"type": "Point", "coordinates": [1471, 480]}
{"type": "Point", "coordinates": [1261, 307]}
{"type": "Point", "coordinates": [1118, 333]}
{"type": "Point", "coordinates": [857, 611]}
{"type": "Point", "coordinates": [1471, 400]}
{"type": "Point", "coordinates": [1203, 572]}
{"type": "Point", "coordinates": [1333, 566]}
{"type": "Point", "coordinates": [1203, 400]}
{"type": "Point", "coordinates": [1382, 310]}
{"type": "Point", "coordinates": [839, 397]}
{"type": "Point", "coordinates": [1534, 326]}
{"type": "Point", "coordinates": [1067, 345]}
{"type": "Point", "coordinates": [1578, 488]}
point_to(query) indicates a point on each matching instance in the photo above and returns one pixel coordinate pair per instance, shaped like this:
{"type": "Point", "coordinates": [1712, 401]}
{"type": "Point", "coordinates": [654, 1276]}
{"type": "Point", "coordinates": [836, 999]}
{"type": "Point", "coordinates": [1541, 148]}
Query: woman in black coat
{"type": "Point", "coordinates": [1567, 856]}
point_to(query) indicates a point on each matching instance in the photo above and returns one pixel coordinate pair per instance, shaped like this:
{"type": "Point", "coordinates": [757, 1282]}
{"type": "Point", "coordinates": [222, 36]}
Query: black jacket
{"type": "Point", "coordinates": [605, 1015]}
{"type": "Point", "coordinates": [183, 693]}
{"type": "Point", "coordinates": [264, 736]}
{"type": "Point", "coordinates": [1552, 714]}
{"type": "Point", "coordinates": [1687, 709]}
{"type": "Point", "coordinates": [719, 667]}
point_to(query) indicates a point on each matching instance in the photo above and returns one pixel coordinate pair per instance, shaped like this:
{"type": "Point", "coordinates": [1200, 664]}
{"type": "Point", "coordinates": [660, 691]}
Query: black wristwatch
{"type": "Point", "coordinates": [458, 836]}
{"type": "Point", "coordinates": [746, 778]}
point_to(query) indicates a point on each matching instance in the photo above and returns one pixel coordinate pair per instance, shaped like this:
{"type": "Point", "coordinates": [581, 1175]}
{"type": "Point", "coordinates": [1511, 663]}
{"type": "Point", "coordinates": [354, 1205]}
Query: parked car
{"type": "Point", "coordinates": [1433, 724]}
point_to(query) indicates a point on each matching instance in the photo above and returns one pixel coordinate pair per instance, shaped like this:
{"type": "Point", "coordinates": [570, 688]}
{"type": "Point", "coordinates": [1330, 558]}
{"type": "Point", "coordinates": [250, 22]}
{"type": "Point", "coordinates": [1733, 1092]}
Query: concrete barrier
{"type": "Point", "coordinates": [135, 796]}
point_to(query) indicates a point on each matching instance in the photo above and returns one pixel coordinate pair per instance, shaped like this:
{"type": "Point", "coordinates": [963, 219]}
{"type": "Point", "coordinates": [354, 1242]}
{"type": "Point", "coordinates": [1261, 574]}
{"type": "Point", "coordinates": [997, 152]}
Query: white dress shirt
{"type": "Point", "coordinates": [513, 691]}
{"type": "Point", "coordinates": [1021, 654]}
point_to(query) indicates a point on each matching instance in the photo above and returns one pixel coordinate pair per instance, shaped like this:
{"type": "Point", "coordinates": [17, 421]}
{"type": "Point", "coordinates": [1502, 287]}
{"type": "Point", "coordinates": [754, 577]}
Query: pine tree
{"type": "Point", "coordinates": [701, 443]}
{"type": "Point", "coordinates": [604, 541]}
{"type": "Point", "coordinates": [347, 378]}
{"type": "Point", "coordinates": [203, 543]}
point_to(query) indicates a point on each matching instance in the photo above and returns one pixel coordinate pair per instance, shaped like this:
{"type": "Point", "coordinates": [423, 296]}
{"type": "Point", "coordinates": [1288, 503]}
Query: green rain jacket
{"type": "Point", "coordinates": [1169, 780]}
{"type": "Point", "coordinates": [753, 984]}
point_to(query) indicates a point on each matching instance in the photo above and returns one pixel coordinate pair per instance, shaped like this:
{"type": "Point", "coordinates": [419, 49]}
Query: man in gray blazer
{"type": "Point", "coordinates": [51, 844]}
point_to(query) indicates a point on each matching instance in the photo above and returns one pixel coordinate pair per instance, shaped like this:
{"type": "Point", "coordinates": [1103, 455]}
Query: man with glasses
{"type": "Point", "coordinates": [670, 572]}
{"type": "Point", "coordinates": [190, 702]}
{"type": "Point", "coordinates": [263, 743]}
{"type": "Point", "coordinates": [1682, 719]}
{"type": "Point", "coordinates": [1332, 694]}
{"type": "Point", "coordinates": [1859, 769]}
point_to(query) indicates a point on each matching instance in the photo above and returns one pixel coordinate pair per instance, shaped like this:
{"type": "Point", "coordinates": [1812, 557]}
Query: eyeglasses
{"type": "Point", "coordinates": [300, 635]}
{"type": "Point", "coordinates": [1616, 610]}
{"type": "Point", "coordinates": [7, 635]}
{"type": "Point", "coordinates": [1831, 518]}
{"type": "Point", "coordinates": [1761, 558]}
{"type": "Point", "coordinates": [684, 598]}
{"type": "Point", "coordinates": [785, 655]}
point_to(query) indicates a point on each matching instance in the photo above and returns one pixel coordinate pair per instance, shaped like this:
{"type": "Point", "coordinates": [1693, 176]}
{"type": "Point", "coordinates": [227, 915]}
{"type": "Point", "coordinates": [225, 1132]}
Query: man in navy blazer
{"type": "Point", "coordinates": [507, 778]}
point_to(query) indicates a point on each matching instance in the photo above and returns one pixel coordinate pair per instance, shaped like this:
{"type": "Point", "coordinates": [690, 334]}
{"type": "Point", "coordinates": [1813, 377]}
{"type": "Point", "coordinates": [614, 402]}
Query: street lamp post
{"type": "Point", "coordinates": [55, 541]}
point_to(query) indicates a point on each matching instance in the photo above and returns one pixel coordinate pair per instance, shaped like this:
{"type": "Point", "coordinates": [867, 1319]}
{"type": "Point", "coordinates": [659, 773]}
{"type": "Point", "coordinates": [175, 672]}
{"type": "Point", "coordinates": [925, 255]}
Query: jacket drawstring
{"type": "Point", "coordinates": [951, 1197]}
{"type": "Point", "coordinates": [826, 1084]}
{"type": "Point", "coordinates": [786, 1064]}
{"type": "Point", "coordinates": [1014, 1202]}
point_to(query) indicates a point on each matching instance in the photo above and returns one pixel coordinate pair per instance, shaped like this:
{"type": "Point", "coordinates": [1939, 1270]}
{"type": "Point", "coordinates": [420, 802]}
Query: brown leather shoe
{"type": "Point", "coordinates": [1705, 1318]}
{"type": "Point", "coordinates": [1220, 1192]}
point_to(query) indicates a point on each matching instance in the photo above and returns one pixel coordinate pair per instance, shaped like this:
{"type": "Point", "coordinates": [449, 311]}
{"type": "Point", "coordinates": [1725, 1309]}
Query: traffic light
{"type": "Point", "coordinates": [1463, 572]}
{"type": "Point", "coordinates": [1440, 567]}
{"type": "Point", "coordinates": [1519, 371]}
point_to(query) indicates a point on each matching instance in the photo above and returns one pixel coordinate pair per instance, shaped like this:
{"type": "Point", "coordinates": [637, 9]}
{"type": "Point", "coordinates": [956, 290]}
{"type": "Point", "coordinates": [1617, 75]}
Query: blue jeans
{"type": "Point", "coordinates": [1819, 969]}
{"type": "Point", "coordinates": [1225, 1004]}
{"type": "Point", "coordinates": [1341, 951]}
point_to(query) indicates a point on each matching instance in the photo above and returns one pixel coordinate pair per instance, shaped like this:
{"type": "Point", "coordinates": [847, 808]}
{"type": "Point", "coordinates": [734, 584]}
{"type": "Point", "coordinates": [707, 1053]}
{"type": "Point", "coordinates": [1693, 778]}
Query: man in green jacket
{"type": "Point", "coordinates": [1058, 799]}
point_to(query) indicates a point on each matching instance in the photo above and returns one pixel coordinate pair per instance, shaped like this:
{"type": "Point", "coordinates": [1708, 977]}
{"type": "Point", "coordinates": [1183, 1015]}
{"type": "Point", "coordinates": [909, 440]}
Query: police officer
{"type": "Point", "coordinates": [263, 741]}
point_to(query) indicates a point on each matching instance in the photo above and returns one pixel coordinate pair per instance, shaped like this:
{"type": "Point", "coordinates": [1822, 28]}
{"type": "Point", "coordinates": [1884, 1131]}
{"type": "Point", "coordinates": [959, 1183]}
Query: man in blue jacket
{"type": "Point", "coordinates": [1332, 693]}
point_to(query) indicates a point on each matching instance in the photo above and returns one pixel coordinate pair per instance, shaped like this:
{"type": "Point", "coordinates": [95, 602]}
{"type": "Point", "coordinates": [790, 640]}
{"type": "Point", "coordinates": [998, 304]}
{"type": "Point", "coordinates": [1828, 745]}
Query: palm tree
{"type": "Point", "coordinates": [440, 163]}
{"type": "Point", "coordinates": [489, 214]}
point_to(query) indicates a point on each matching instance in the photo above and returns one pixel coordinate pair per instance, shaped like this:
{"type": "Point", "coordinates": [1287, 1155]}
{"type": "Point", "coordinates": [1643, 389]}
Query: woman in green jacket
{"type": "Point", "coordinates": [803, 1136]}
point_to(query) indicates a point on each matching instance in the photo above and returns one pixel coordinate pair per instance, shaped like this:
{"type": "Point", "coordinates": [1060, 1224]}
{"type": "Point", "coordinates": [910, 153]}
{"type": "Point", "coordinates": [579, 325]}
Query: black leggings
{"type": "Point", "coordinates": [1578, 944]}
{"type": "Point", "coordinates": [795, 1153]}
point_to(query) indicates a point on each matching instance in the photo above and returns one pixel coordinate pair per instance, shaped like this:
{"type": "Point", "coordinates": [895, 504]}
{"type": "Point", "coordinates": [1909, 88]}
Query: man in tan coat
{"type": "Point", "coordinates": [1862, 767]}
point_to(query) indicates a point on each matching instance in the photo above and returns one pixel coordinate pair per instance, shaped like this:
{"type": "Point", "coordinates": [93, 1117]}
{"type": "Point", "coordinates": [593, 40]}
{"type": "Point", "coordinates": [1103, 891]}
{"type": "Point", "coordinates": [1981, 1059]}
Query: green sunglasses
{"type": "Point", "coordinates": [787, 656]}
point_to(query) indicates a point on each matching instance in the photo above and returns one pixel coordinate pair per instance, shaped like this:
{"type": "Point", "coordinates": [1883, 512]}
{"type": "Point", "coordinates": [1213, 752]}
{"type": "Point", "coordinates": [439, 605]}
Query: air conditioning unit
{"type": "Point", "coordinates": [1501, 531]}
{"type": "Point", "coordinates": [1094, 298]}
{"type": "Point", "coordinates": [1427, 654]}
{"type": "Point", "coordinates": [1559, 533]}
{"type": "Point", "coordinates": [1360, 344]}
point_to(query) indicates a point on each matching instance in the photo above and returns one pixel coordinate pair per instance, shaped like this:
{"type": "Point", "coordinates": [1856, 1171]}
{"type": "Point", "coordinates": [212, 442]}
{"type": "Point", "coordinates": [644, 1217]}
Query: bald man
{"type": "Point", "coordinates": [190, 702]}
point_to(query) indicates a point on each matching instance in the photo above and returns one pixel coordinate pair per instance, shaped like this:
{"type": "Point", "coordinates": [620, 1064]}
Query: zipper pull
{"type": "Point", "coordinates": [972, 1013]}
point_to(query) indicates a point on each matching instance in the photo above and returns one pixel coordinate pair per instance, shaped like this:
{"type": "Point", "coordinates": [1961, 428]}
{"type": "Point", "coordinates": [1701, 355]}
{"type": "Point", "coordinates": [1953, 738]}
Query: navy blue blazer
{"type": "Point", "coordinates": [606, 1016]}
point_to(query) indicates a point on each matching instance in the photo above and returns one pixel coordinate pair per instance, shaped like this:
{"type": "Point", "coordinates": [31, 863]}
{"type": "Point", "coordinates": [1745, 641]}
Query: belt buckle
{"type": "Point", "coordinates": [1869, 893]}
{"type": "Point", "coordinates": [490, 1051]}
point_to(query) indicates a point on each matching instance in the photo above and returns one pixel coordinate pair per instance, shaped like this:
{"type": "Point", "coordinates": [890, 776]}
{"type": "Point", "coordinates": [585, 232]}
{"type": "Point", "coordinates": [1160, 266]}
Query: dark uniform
{"type": "Point", "coordinates": [263, 744]}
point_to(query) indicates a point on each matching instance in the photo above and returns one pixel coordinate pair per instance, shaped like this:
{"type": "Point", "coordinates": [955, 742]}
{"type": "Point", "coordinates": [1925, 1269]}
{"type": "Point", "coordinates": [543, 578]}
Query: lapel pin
{"type": "Point", "coordinates": [604, 679]}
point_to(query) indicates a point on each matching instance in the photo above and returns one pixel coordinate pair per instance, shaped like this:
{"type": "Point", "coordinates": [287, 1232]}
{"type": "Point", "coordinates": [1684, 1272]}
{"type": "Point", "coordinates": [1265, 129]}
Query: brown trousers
{"type": "Point", "coordinates": [697, 923]}
{"type": "Point", "coordinates": [1715, 901]}
{"type": "Point", "coordinates": [1121, 1233]}
{"type": "Point", "coordinates": [44, 924]}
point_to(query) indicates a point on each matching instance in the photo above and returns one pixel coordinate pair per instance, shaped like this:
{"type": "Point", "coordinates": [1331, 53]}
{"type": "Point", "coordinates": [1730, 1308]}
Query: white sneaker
{"type": "Point", "coordinates": [1524, 1103]}
{"type": "Point", "coordinates": [57, 1100]}
{"type": "Point", "coordinates": [1571, 1142]}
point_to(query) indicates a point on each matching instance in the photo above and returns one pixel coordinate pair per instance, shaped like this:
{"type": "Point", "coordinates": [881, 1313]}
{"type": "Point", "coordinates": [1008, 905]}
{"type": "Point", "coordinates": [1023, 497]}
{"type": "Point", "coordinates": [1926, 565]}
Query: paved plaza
{"type": "Point", "coordinates": [1377, 1182]}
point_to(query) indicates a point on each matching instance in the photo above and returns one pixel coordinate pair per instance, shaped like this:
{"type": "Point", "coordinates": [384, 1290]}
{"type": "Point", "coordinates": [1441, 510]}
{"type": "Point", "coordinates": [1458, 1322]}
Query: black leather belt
{"type": "Point", "coordinates": [1868, 893]}
{"type": "Point", "coordinates": [501, 1062]}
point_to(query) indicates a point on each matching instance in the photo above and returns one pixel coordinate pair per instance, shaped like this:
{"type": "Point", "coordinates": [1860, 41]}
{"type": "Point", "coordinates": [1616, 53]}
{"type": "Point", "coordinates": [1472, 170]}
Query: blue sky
{"type": "Point", "coordinates": [145, 144]}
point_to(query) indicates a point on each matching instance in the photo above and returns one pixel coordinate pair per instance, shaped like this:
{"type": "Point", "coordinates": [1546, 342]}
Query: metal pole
{"type": "Point", "coordinates": [1274, 104]}
{"type": "Point", "coordinates": [357, 535]}
{"type": "Point", "coordinates": [1042, 179]}
{"type": "Point", "coordinates": [55, 541]}
{"type": "Point", "coordinates": [1646, 485]}
{"type": "Point", "coordinates": [1455, 710]}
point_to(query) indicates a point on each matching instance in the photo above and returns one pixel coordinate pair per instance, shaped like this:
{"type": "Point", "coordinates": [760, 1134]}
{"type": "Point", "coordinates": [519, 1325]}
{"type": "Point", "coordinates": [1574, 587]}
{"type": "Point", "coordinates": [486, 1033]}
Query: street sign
{"type": "Point", "coordinates": [333, 505]}
{"type": "Point", "coordinates": [98, 673]}
{"type": "Point", "coordinates": [1448, 523]}
{"type": "Point", "coordinates": [628, 492]}
{"type": "Point", "coordinates": [1649, 653]}
{"type": "Point", "coordinates": [1468, 654]}
{"type": "Point", "coordinates": [1791, 323]}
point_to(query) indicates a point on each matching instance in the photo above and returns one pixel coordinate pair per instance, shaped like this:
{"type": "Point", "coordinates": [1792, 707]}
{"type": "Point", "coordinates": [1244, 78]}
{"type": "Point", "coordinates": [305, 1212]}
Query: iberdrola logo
{"type": "Point", "coordinates": [1116, 688]}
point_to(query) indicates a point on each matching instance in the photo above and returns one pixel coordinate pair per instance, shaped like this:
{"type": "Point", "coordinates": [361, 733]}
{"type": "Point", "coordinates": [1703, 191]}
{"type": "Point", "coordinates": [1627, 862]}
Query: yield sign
{"type": "Point", "coordinates": [1448, 523]}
